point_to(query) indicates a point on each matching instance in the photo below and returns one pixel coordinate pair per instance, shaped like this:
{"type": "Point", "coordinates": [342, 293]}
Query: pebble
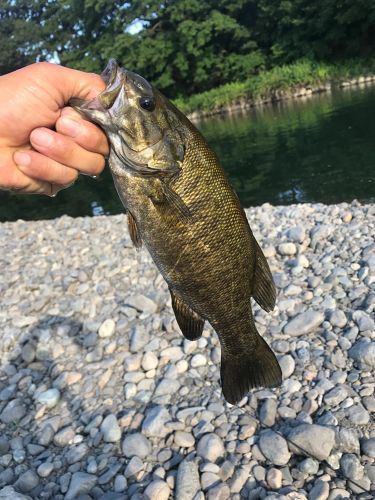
{"type": "Point", "coordinates": [49, 398]}
{"type": "Point", "coordinates": [98, 327]}
{"type": "Point", "coordinates": [210, 447]}
{"type": "Point", "coordinates": [287, 249]}
{"type": "Point", "coordinates": [107, 328]}
{"type": "Point", "coordinates": [314, 440]}
{"type": "Point", "coordinates": [110, 429]}
{"type": "Point", "coordinates": [27, 481]}
{"type": "Point", "coordinates": [154, 424]}
{"type": "Point", "coordinates": [136, 445]}
{"type": "Point", "coordinates": [274, 447]}
{"type": "Point", "coordinates": [187, 480]}
{"type": "Point", "coordinates": [80, 484]}
{"type": "Point", "coordinates": [304, 323]}
{"type": "Point", "coordinates": [158, 490]}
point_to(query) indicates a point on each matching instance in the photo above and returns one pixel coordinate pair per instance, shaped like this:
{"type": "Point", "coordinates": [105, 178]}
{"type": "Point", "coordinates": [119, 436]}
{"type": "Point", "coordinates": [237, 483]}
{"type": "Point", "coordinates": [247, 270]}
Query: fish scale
{"type": "Point", "coordinates": [192, 224]}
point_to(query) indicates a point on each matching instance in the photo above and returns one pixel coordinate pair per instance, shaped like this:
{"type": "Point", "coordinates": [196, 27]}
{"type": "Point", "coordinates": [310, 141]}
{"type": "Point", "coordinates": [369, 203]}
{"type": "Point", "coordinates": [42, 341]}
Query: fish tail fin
{"type": "Point", "coordinates": [255, 368]}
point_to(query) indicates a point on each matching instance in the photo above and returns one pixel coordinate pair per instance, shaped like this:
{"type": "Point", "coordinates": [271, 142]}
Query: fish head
{"type": "Point", "coordinates": [143, 127]}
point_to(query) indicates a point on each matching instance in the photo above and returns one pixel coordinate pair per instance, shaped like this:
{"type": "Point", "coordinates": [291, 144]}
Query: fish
{"type": "Point", "coordinates": [181, 206]}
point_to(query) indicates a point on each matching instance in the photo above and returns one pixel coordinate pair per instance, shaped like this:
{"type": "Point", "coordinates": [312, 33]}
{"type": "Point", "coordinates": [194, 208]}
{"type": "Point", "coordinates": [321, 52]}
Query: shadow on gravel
{"type": "Point", "coordinates": [44, 432]}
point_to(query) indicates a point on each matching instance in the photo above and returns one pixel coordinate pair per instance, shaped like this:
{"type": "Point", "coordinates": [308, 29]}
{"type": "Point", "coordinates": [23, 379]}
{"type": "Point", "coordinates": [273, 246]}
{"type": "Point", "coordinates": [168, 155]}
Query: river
{"type": "Point", "coordinates": [321, 149]}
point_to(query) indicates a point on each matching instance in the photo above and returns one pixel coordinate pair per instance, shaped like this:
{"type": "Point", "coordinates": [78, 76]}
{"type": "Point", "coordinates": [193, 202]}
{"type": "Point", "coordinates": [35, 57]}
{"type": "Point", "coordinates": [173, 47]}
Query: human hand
{"type": "Point", "coordinates": [44, 144]}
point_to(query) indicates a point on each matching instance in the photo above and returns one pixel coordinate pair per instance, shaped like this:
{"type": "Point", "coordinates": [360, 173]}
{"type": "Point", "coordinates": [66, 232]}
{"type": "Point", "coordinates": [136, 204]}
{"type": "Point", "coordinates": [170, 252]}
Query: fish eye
{"type": "Point", "coordinates": [147, 103]}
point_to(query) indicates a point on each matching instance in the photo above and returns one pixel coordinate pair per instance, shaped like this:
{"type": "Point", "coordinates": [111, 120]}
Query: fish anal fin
{"type": "Point", "coordinates": [190, 323]}
{"type": "Point", "coordinates": [257, 367]}
{"type": "Point", "coordinates": [264, 290]}
{"type": "Point", "coordinates": [133, 231]}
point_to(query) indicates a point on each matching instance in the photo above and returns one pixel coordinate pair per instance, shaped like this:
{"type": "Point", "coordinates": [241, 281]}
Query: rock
{"type": "Point", "coordinates": [368, 447]}
{"type": "Point", "coordinates": [13, 412]}
{"type": "Point", "coordinates": [167, 386]}
{"type": "Point", "coordinates": [338, 318]}
{"type": "Point", "coordinates": [240, 476]}
{"type": "Point", "coordinates": [77, 453]}
{"type": "Point", "coordinates": [149, 361]}
{"type": "Point", "coordinates": [364, 322]}
{"type": "Point", "coordinates": [28, 353]}
{"type": "Point", "coordinates": [110, 429]}
{"type": "Point", "coordinates": [134, 466]}
{"type": "Point", "coordinates": [358, 415]}
{"type": "Point", "coordinates": [187, 480]}
{"type": "Point", "coordinates": [8, 493]}
{"type": "Point", "coordinates": [136, 445]}
{"type": "Point", "coordinates": [48, 398]}
{"type": "Point", "coordinates": [142, 304]}
{"type": "Point", "coordinates": [319, 491]}
{"type": "Point", "coordinates": [139, 338]}
{"type": "Point", "coordinates": [335, 396]}
{"type": "Point", "coordinates": [27, 481]}
{"type": "Point", "coordinates": [287, 365]}
{"type": "Point", "coordinates": [44, 470]}
{"type": "Point", "coordinates": [107, 328]}
{"type": "Point", "coordinates": [312, 440]}
{"type": "Point", "coordinates": [309, 465]}
{"type": "Point", "coordinates": [219, 492]}
{"type": "Point", "coordinates": [267, 413]}
{"type": "Point", "coordinates": [347, 440]}
{"type": "Point", "coordinates": [210, 447]}
{"type": "Point", "coordinates": [304, 323]}
{"type": "Point", "coordinates": [80, 484]}
{"type": "Point", "coordinates": [274, 478]}
{"type": "Point", "coordinates": [287, 249]}
{"type": "Point", "coordinates": [296, 234]}
{"type": "Point", "coordinates": [198, 360]}
{"type": "Point", "coordinates": [274, 447]}
{"type": "Point", "coordinates": [338, 494]}
{"type": "Point", "coordinates": [66, 379]}
{"type": "Point", "coordinates": [351, 467]}
{"type": "Point", "coordinates": [64, 437]}
{"type": "Point", "coordinates": [154, 423]}
{"type": "Point", "coordinates": [208, 480]}
{"type": "Point", "coordinates": [364, 353]}
{"type": "Point", "coordinates": [158, 490]}
{"type": "Point", "coordinates": [184, 439]}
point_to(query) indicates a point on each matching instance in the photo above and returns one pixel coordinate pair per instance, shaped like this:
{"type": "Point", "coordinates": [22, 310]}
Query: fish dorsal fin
{"type": "Point", "coordinates": [133, 231]}
{"type": "Point", "coordinates": [264, 290]}
{"type": "Point", "coordinates": [189, 321]}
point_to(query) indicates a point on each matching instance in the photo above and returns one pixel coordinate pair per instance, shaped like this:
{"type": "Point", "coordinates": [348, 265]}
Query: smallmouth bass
{"type": "Point", "coordinates": [181, 206]}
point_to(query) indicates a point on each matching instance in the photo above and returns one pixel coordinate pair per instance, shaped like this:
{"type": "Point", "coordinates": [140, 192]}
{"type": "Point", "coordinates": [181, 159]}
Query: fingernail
{"type": "Point", "coordinates": [21, 159]}
{"type": "Point", "coordinates": [42, 138]}
{"type": "Point", "coordinates": [69, 126]}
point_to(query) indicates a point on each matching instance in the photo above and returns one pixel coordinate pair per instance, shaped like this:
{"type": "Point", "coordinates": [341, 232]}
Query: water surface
{"type": "Point", "coordinates": [317, 150]}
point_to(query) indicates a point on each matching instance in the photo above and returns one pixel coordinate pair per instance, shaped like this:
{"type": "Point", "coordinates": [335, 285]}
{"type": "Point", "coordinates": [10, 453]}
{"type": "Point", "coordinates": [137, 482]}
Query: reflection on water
{"type": "Point", "coordinates": [318, 150]}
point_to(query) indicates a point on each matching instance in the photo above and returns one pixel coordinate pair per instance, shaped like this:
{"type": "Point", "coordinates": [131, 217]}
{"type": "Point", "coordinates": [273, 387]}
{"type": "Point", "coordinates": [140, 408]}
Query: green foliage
{"type": "Point", "coordinates": [303, 73]}
{"type": "Point", "coordinates": [186, 47]}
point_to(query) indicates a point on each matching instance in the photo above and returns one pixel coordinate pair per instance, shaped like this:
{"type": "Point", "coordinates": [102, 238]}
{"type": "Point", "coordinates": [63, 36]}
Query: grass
{"type": "Point", "coordinates": [288, 77]}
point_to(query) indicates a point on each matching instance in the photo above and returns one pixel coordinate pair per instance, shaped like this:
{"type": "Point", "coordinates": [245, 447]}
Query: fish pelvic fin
{"type": "Point", "coordinates": [190, 323]}
{"type": "Point", "coordinates": [256, 368]}
{"type": "Point", "coordinates": [264, 290]}
{"type": "Point", "coordinates": [133, 231]}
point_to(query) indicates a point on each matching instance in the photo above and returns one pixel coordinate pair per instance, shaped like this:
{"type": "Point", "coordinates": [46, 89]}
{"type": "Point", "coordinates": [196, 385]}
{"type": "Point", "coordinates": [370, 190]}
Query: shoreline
{"type": "Point", "coordinates": [282, 95]}
{"type": "Point", "coordinates": [102, 396]}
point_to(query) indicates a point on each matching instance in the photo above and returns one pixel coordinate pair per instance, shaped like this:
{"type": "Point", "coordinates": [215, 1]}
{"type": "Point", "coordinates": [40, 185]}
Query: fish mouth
{"type": "Point", "coordinates": [114, 77]}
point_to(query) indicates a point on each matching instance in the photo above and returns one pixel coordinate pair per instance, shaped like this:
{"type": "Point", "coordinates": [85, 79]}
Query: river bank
{"type": "Point", "coordinates": [101, 395]}
{"type": "Point", "coordinates": [294, 81]}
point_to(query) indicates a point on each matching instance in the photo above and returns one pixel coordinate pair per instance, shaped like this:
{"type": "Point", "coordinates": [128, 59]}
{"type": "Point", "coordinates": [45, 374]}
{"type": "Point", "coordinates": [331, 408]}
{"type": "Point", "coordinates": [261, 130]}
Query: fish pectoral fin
{"type": "Point", "coordinates": [176, 202]}
{"type": "Point", "coordinates": [264, 290]}
{"type": "Point", "coordinates": [189, 321]}
{"type": "Point", "coordinates": [133, 231]}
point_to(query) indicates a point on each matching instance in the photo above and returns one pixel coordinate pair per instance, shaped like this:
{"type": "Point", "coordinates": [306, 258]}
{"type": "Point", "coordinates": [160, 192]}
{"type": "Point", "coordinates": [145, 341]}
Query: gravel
{"type": "Point", "coordinates": [102, 397]}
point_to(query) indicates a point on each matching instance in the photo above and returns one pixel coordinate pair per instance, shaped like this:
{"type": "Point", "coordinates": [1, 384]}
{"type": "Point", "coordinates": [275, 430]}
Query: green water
{"type": "Point", "coordinates": [318, 150]}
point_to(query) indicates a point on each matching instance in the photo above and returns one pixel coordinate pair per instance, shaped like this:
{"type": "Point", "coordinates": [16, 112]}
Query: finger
{"type": "Point", "coordinates": [66, 151]}
{"type": "Point", "coordinates": [42, 168]}
{"type": "Point", "coordinates": [13, 179]}
{"type": "Point", "coordinates": [84, 133]}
